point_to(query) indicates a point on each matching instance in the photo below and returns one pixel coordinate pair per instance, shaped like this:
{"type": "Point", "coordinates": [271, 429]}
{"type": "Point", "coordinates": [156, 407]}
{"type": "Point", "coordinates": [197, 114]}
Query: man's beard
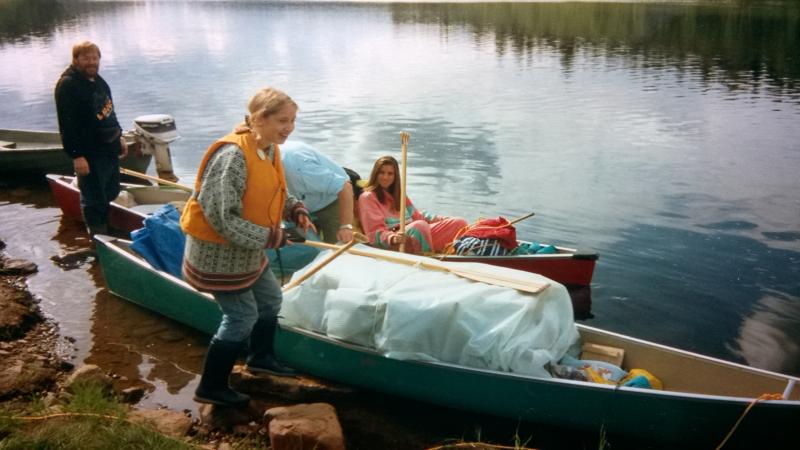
{"type": "Point", "coordinates": [88, 72]}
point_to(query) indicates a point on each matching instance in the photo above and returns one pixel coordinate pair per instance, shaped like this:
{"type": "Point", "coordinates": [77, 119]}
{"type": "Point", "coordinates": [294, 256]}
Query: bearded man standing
{"type": "Point", "coordinates": [90, 133]}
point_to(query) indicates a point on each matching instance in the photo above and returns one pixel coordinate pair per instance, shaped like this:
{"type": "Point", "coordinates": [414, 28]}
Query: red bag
{"type": "Point", "coordinates": [497, 228]}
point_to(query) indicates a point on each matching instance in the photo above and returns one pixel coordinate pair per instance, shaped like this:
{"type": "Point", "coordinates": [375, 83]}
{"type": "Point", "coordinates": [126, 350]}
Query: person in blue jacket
{"type": "Point", "coordinates": [324, 188]}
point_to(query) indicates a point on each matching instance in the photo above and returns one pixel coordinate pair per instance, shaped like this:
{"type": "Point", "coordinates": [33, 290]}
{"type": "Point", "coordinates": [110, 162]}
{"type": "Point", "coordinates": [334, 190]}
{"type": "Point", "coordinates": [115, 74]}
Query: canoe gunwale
{"type": "Point", "coordinates": [122, 247]}
{"type": "Point", "coordinates": [555, 381]}
{"type": "Point", "coordinates": [32, 150]}
{"type": "Point", "coordinates": [33, 139]}
{"type": "Point", "coordinates": [37, 153]}
{"type": "Point", "coordinates": [693, 356]}
{"type": "Point", "coordinates": [121, 217]}
{"type": "Point", "coordinates": [576, 255]}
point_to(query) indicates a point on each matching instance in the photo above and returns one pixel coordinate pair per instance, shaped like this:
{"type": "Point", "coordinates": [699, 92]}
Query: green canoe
{"type": "Point", "coordinates": [703, 397]}
{"type": "Point", "coordinates": [36, 153]}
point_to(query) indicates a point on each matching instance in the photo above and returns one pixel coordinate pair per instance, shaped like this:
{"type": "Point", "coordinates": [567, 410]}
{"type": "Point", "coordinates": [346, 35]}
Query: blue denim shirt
{"type": "Point", "coordinates": [311, 177]}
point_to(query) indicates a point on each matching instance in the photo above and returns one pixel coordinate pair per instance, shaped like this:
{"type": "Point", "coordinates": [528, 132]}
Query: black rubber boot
{"type": "Point", "coordinates": [97, 229]}
{"type": "Point", "coordinates": [262, 353]}
{"type": "Point", "coordinates": [214, 386]}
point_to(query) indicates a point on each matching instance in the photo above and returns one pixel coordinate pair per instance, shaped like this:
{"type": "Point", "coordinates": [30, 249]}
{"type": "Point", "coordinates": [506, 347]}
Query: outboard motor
{"type": "Point", "coordinates": [155, 132]}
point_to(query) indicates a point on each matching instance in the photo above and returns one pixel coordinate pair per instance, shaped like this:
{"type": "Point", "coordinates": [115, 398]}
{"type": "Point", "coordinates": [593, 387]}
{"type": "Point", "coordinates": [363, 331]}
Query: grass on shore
{"type": "Point", "coordinates": [89, 419]}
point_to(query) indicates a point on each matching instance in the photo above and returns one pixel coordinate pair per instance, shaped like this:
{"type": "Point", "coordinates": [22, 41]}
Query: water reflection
{"type": "Point", "coordinates": [143, 349]}
{"type": "Point", "coordinates": [662, 135]}
{"type": "Point", "coordinates": [581, 297]}
{"type": "Point", "coordinates": [21, 20]}
{"type": "Point", "coordinates": [769, 336]}
{"type": "Point", "coordinates": [741, 45]}
{"type": "Point", "coordinates": [713, 293]}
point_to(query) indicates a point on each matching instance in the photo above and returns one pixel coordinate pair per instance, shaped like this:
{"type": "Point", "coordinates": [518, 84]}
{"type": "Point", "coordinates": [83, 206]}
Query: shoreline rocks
{"type": "Point", "coordinates": [28, 359]}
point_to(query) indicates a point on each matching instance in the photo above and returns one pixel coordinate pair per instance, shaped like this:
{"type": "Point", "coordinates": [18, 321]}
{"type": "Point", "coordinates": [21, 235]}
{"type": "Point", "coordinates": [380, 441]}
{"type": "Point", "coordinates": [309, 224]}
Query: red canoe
{"type": "Point", "coordinates": [569, 266]}
{"type": "Point", "coordinates": [127, 213]}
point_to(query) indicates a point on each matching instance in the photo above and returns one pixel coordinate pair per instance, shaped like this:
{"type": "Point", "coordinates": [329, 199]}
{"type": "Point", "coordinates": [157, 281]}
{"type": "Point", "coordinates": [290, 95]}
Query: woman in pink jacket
{"type": "Point", "coordinates": [380, 218]}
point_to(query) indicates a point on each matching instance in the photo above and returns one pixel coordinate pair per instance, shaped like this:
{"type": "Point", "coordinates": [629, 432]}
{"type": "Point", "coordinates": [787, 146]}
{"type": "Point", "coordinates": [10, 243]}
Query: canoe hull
{"type": "Point", "coordinates": [696, 421]}
{"type": "Point", "coordinates": [699, 420]}
{"type": "Point", "coordinates": [568, 267]}
{"type": "Point", "coordinates": [67, 197]}
{"type": "Point", "coordinates": [120, 217]}
{"type": "Point", "coordinates": [130, 278]}
{"type": "Point", "coordinates": [151, 198]}
{"type": "Point", "coordinates": [37, 153]}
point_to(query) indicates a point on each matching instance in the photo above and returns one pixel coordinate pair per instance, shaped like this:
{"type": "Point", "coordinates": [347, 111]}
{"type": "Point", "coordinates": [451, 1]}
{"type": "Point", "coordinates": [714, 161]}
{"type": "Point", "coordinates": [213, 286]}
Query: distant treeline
{"type": "Point", "coordinates": [22, 20]}
{"type": "Point", "coordinates": [19, 18]}
{"type": "Point", "coordinates": [730, 39]}
{"type": "Point", "coordinates": [757, 38]}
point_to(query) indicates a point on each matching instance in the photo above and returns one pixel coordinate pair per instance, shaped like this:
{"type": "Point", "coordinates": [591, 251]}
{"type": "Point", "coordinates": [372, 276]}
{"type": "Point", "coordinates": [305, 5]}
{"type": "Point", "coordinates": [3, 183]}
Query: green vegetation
{"type": "Point", "coordinates": [603, 442]}
{"type": "Point", "coordinates": [89, 419]}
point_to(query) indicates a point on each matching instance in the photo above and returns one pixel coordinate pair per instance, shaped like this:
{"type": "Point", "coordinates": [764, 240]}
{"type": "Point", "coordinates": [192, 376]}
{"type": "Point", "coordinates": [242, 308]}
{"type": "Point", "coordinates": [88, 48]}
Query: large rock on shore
{"type": "Point", "coordinates": [89, 373]}
{"type": "Point", "coordinates": [165, 421]}
{"type": "Point", "coordinates": [28, 362]}
{"type": "Point", "coordinates": [18, 312]}
{"type": "Point", "coordinates": [18, 267]}
{"type": "Point", "coordinates": [305, 427]}
{"type": "Point", "coordinates": [22, 376]}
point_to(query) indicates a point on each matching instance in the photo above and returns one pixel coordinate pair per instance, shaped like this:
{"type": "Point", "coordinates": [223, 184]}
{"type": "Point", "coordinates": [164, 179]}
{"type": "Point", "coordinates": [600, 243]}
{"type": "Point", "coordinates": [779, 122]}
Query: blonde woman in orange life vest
{"type": "Point", "coordinates": [235, 213]}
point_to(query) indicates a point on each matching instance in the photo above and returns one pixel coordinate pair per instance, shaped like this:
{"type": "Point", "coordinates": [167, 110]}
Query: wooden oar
{"type": "Point", "coordinates": [356, 239]}
{"type": "Point", "coordinates": [521, 218]}
{"type": "Point", "coordinates": [463, 270]}
{"type": "Point", "coordinates": [402, 207]}
{"type": "Point", "coordinates": [512, 222]}
{"type": "Point", "coordinates": [136, 174]}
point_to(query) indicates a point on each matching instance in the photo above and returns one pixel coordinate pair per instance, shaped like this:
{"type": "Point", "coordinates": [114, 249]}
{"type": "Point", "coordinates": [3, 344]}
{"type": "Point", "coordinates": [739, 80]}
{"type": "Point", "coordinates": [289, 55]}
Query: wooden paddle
{"type": "Point", "coordinates": [402, 206]}
{"type": "Point", "coordinates": [357, 237]}
{"type": "Point", "coordinates": [136, 174]}
{"type": "Point", "coordinates": [516, 280]}
{"type": "Point", "coordinates": [521, 218]}
{"type": "Point", "coordinates": [512, 222]}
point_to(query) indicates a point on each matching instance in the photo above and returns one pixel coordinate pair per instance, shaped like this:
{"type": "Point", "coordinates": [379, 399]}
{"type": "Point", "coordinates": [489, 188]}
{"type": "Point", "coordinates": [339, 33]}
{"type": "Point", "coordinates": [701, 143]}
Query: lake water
{"type": "Point", "coordinates": [662, 135]}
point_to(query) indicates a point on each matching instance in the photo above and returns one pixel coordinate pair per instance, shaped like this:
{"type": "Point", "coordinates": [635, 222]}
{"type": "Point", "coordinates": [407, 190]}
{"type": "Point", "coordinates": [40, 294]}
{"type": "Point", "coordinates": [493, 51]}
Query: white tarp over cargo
{"type": "Point", "coordinates": [406, 312]}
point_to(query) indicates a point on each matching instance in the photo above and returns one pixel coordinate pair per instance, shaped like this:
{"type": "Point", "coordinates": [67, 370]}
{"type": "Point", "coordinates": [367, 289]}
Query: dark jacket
{"type": "Point", "coordinates": [86, 117]}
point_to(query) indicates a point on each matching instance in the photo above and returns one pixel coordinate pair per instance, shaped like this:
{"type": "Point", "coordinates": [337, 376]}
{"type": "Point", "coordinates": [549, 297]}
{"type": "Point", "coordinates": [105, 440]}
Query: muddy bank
{"type": "Point", "coordinates": [28, 343]}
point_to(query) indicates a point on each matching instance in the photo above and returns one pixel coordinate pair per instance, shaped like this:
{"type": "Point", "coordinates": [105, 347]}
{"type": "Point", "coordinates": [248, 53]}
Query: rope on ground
{"type": "Point", "coordinates": [747, 410]}
{"type": "Point", "coordinates": [52, 416]}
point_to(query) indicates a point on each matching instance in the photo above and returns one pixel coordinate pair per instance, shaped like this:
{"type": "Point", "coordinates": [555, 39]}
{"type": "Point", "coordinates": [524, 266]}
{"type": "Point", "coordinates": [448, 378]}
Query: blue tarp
{"type": "Point", "coordinates": [161, 240]}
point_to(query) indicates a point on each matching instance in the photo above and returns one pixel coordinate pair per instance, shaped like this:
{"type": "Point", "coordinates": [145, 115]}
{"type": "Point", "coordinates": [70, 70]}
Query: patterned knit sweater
{"type": "Point", "coordinates": [223, 185]}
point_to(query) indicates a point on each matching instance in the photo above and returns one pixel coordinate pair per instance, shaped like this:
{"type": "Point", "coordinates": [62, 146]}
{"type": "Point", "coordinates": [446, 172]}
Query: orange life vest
{"type": "Point", "coordinates": [264, 194]}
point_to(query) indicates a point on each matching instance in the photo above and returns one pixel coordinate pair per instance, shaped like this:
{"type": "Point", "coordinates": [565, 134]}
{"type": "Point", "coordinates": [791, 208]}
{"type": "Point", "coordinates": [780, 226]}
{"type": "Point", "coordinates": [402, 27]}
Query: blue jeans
{"type": "Point", "coordinates": [241, 310]}
{"type": "Point", "coordinates": [98, 189]}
